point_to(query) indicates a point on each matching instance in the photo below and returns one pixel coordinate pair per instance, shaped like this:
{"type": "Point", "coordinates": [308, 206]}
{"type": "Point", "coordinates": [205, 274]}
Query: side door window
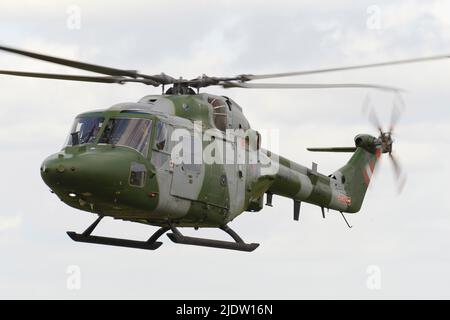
{"type": "Point", "coordinates": [162, 145]}
{"type": "Point", "coordinates": [138, 174]}
{"type": "Point", "coordinates": [161, 142]}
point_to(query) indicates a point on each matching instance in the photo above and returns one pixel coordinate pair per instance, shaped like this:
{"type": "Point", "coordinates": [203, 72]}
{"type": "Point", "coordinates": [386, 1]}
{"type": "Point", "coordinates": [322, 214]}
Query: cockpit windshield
{"type": "Point", "coordinates": [84, 130]}
{"type": "Point", "coordinates": [133, 133]}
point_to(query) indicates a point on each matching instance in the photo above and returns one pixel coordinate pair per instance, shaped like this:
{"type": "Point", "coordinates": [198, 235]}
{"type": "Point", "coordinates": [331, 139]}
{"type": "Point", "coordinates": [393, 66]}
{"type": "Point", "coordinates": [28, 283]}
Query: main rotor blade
{"type": "Point", "coordinates": [227, 84]}
{"type": "Point", "coordinates": [88, 66]}
{"type": "Point", "coordinates": [247, 77]}
{"type": "Point", "coordinates": [72, 63]}
{"type": "Point", "coordinates": [100, 79]}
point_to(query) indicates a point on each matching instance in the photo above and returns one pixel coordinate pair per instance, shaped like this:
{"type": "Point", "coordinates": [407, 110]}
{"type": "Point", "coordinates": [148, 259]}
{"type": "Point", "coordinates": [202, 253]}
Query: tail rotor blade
{"type": "Point", "coordinates": [401, 184]}
{"type": "Point", "coordinates": [371, 114]}
{"type": "Point", "coordinates": [399, 173]}
{"type": "Point", "coordinates": [395, 116]}
{"type": "Point", "coordinates": [396, 166]}
{"type": "Point", "coordinates": [373, 118]}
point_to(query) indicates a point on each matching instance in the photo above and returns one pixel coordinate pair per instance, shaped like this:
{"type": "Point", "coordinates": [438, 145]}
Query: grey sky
{"type": "Point", "coordinates": [407, 236]}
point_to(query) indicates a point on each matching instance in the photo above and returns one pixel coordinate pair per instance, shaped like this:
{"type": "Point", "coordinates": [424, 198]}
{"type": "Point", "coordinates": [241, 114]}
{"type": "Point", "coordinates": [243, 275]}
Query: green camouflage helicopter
{"type": "Point", "coordinates": [191, 159]}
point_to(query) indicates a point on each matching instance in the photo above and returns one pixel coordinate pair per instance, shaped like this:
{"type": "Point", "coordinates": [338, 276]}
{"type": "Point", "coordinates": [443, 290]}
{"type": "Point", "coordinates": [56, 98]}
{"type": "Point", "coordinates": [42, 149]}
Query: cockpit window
{"type": "Point", "coordinates": [84, 130]}
{"type": "Point", "coordinates": [133, 133]}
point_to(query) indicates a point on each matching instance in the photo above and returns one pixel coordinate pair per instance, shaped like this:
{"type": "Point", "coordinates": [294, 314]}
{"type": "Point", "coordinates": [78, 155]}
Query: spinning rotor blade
{"type": "Point", "coordinates": [239, 81]}
{"type": "Point", "coordinates": [373, 118]}
{"type": "Point", "coordinates": [86, 66]}
{"type": "Point", "coordinates": [395, 116]}
{"type": "Point", "coordinates": [371, 114]}
{"type": "Point", "coordinates": [227, 84]}
{"type": "Point", "coordinates": [72, 63]}
{"type": "Point", "coordinates": [247, 77]}
{"type": "Point", "coordinates": [71, 77]}
{"type": "Point", "coordinates": [396, 166]}
{"type": "Point", "coordinates": [400, 177]}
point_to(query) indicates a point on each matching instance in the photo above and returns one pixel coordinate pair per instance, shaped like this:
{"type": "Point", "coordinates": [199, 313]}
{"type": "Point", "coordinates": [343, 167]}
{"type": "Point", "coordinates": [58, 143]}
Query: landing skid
{"type": "Point", "coordinates": [239, 244]}
{"type": "Point", "coordinates": [150, 244]}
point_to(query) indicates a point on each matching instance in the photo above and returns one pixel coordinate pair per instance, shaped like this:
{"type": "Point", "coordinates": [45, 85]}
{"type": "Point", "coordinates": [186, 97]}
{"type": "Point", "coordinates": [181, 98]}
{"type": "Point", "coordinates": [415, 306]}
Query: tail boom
{"type": "Point", "coordinates": [344, 190]}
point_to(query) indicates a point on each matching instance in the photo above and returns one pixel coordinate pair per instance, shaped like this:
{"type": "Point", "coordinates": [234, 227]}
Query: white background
{"type": "Point", "coordinates": [406, 237]}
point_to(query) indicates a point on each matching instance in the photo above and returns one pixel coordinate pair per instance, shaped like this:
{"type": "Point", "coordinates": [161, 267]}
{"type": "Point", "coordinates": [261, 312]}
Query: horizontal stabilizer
{"type": "Point", "coordinates": [335, 149]}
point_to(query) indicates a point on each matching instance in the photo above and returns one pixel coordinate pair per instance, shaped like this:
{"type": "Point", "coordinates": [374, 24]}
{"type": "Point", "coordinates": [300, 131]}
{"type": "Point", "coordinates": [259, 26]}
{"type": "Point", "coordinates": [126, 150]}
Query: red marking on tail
{"type": "Point", "coordinates": [378, 152]}
{"type": "Point", "coordinates": [372, 165]}
{"type": "Point", "coordinates": [366, 177]}
{"type": "Point", "coordinates": [344, 199]}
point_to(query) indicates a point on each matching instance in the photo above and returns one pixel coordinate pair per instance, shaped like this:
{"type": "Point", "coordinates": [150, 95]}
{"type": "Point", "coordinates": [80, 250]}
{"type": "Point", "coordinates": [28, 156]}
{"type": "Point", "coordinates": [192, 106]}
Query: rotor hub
{"type": "Point", "coordinates": [385, 141]}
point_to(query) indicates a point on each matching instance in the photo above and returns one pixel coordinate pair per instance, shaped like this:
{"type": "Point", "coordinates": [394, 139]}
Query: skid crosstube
{"type": "Point", "coordinates": [239, 244]}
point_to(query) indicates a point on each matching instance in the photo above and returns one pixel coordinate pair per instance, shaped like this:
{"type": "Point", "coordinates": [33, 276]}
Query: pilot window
{"type": "Point", "coordinates": [161, 141]}
{"type": "Point", "coordinates": [138, 173]}
{"type": "Point", "coordinates": [133, 133]}
{"type": "Point", "coordinates": [84, 130]}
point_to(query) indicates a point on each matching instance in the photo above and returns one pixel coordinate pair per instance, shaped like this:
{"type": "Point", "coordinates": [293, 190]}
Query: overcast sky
{"type": "Point", "coordinates": [403, 240]}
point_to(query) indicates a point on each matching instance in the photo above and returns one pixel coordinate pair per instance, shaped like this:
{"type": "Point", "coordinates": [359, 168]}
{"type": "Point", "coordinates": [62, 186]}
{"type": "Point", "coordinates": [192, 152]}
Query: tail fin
{"type": "Point", "coordinates": [357, 174]}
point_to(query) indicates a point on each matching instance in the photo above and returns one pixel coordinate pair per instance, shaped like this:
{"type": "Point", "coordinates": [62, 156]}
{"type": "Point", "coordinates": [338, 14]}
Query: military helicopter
{"type": "Point", "coordinates": [123, 162]}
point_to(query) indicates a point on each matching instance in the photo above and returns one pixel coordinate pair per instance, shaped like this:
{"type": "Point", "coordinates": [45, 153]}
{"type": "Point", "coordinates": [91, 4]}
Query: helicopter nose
{"type": "Point", "coordinates": [87, 173]}
{"type": "Point", "coordinates": [58, 170]}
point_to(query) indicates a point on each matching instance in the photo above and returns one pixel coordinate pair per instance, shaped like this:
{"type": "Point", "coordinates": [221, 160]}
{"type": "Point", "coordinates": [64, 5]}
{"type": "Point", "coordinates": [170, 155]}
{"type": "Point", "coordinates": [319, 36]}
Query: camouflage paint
{"type": "Point", "coordinates": [98, 174]}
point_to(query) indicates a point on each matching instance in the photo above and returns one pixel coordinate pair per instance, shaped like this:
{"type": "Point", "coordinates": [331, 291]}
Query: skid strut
{"type": "Point", "coordinates": [177, 237]}
{"type": "Point", "coordinates": [150, 244]}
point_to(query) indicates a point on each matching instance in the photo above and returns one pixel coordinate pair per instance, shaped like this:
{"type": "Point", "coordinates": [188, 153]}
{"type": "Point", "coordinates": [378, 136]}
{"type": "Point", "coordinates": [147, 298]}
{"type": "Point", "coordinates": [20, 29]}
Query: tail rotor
{"type": "Point", "coordinates": [385, 141]}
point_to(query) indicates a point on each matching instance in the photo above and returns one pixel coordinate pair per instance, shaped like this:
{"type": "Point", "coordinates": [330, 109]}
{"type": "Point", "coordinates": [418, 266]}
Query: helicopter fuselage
{"type": "Point", "coordinates": [120, 162]}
